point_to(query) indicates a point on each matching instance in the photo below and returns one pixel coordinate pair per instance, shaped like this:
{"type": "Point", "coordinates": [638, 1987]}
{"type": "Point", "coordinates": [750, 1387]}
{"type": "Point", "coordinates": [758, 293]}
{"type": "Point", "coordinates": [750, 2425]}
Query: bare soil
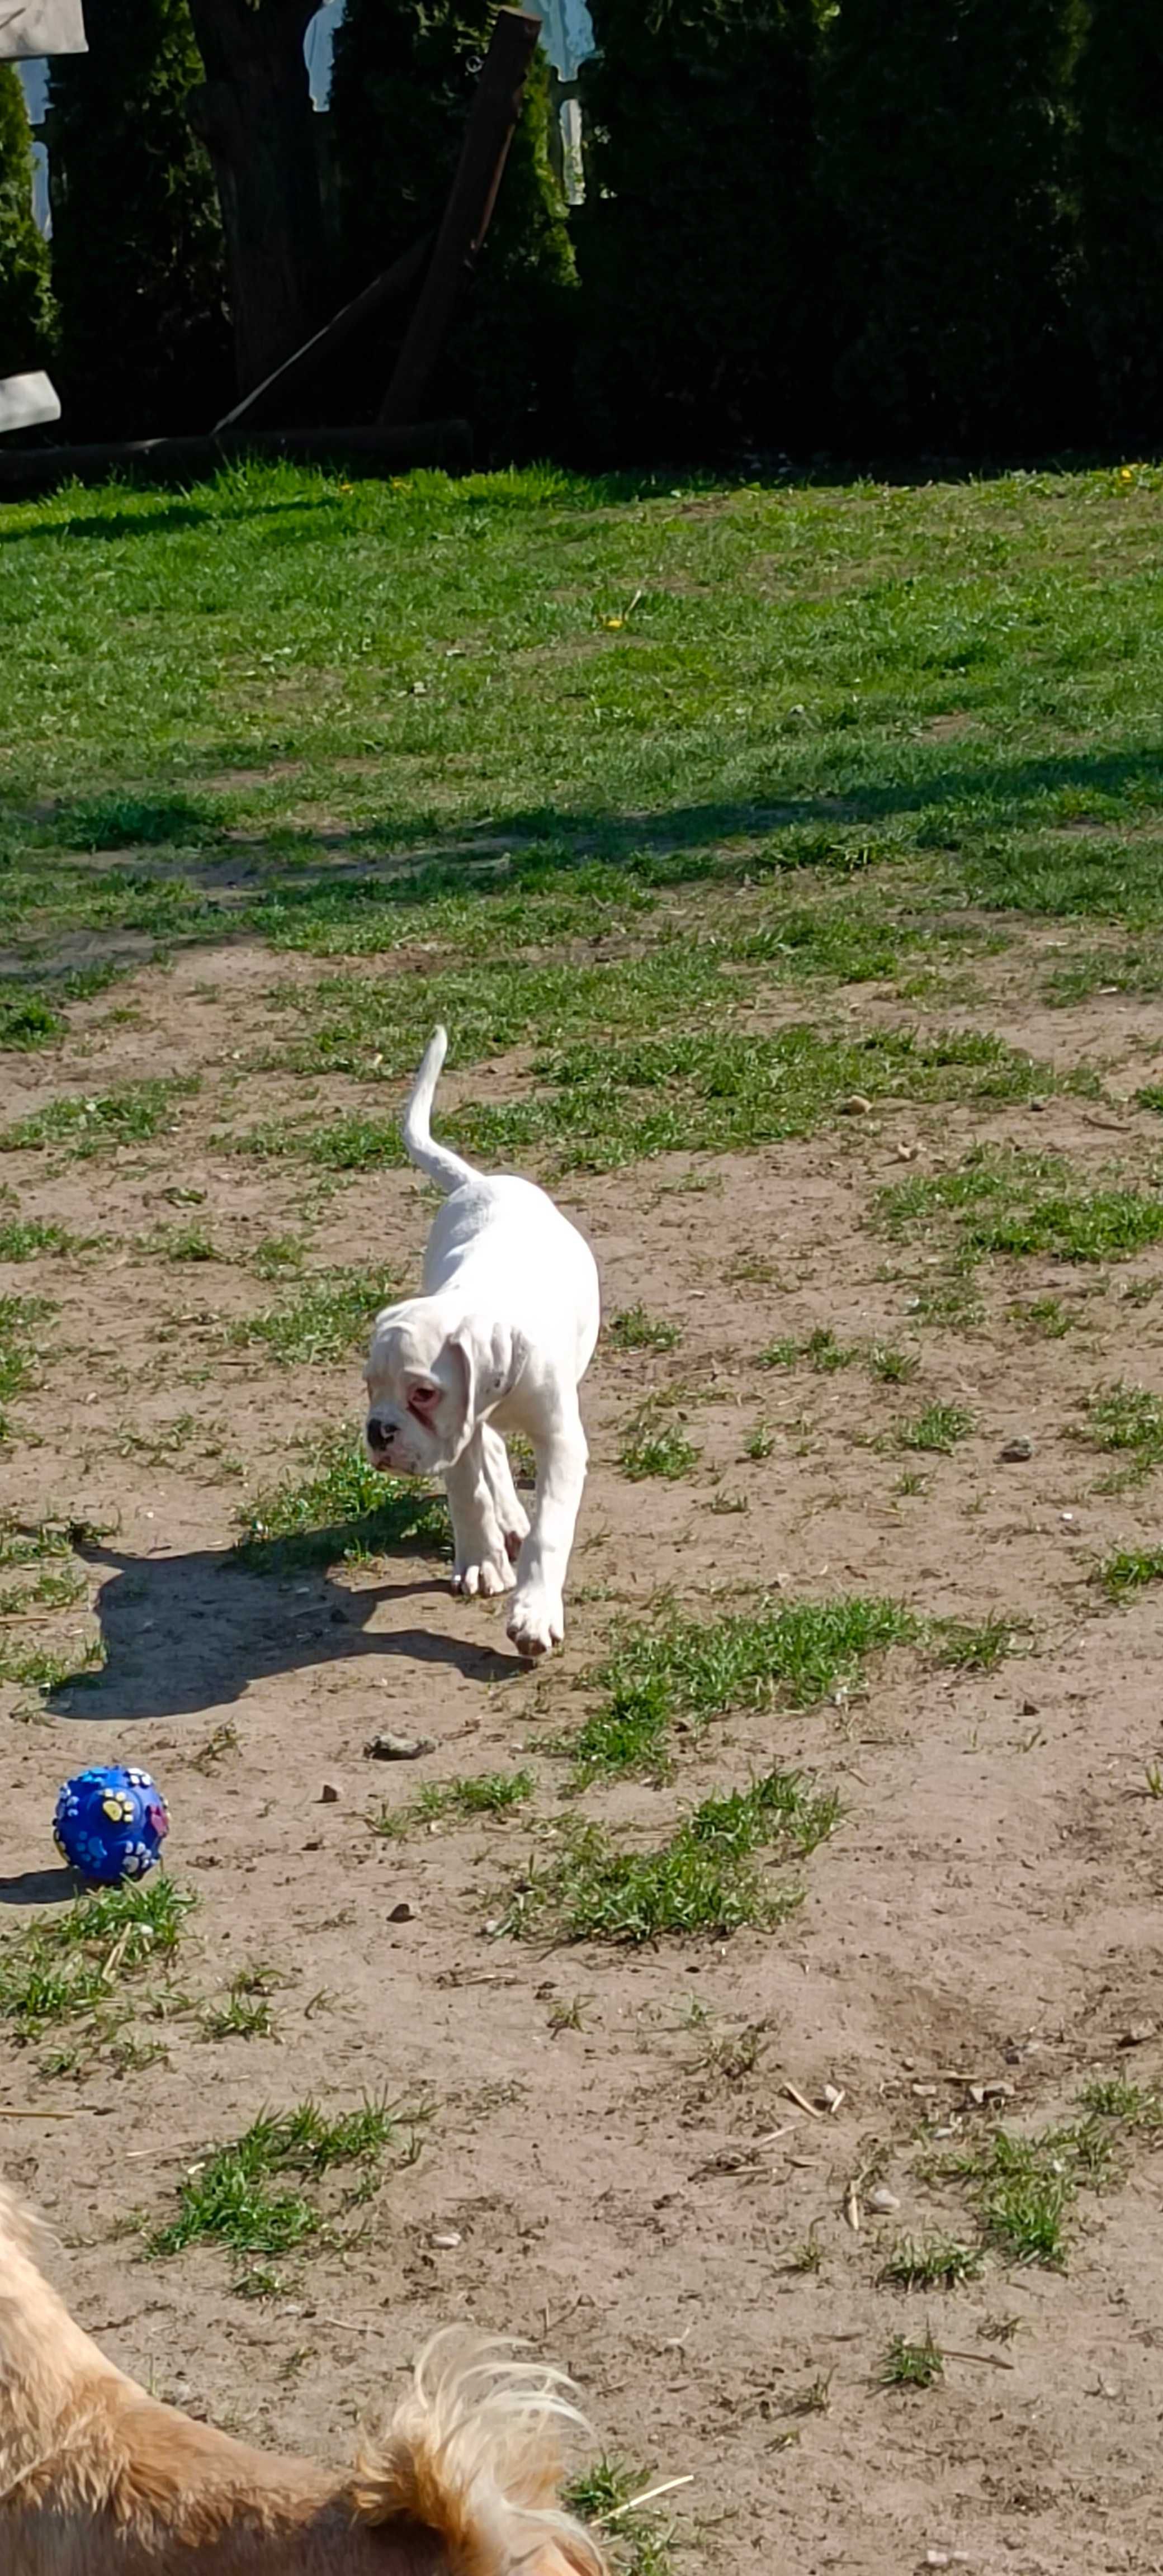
{"type": "Point", "coordinates": [629, 2189]}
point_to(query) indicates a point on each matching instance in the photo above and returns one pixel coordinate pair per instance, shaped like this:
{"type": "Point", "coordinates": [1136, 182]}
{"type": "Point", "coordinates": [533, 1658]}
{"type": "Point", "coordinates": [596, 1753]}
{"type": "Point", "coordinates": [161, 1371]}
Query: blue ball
{"type": "Point", "coordinates": [110, 1823]}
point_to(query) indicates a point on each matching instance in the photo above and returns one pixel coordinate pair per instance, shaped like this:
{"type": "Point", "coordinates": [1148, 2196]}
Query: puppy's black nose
{"type": "Point", "coordinates": [381, 1434]}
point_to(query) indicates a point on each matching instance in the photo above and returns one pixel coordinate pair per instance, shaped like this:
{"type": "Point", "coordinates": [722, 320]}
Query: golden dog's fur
{"type": "Point", "coordinates": [98, 2479]}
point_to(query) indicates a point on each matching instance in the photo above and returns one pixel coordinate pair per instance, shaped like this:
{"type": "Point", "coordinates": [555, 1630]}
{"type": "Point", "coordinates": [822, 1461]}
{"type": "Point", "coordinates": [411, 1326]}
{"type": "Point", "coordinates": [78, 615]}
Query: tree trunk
{"type": "Point", "coordinates": [254, 115]}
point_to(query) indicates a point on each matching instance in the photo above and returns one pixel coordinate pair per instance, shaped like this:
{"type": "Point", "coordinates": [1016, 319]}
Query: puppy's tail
{"type": "Point", "coordinates": [472, 2453]}
{"type": "Point", "coordinates": [441, 1166]}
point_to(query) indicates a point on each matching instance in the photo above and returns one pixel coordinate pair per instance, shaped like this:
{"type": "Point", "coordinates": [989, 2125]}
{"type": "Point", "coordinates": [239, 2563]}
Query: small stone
{"type": "Point", "coordinates": [831, 2096]}
{"type": "Point", "coordinates": [1137, 2035]}
{"type": "Point", "coordinates": [1016, 1451]}
{"type": "Point", "coordinates": [314, 1842]}
{"type": "Point", "coordinates": [404, 1912]}
{"type": "Point", "coordinates": [397, 1748]}
{"type": "Point", "coordinates": [1035, 1105]}
{"type": "Point", "coordinates": [924, 2092]}
{"type": "Point", "coordinates": [329, 1794]}
{"type": "Point", "coordinates": [446, 2240]}
{"type": "Point", "coordinates": [857, 1105]}
{"type": "Point", "coordinates": [1029, 1708]}
{"type": "Point", "coordinates": [906, 1153]}
{"type": "Point", "coordinates": [882, 2201]}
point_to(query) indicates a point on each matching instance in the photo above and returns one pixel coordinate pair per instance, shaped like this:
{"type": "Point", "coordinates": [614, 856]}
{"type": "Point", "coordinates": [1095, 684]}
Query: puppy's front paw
{"type": "Point", "coordinates": [493, 1574]}
{"type": "Point", "coordinates": [536, 1623]}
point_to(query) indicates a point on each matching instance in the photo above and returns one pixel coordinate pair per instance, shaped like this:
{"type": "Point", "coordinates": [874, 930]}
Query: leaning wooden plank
{"type": "Point", "coordinates": [32, 27]}
{"type": "Point", "coordinates": [359, 452]}
{"type": "Point", "coordinates": [268, 399]}
{"type": "Point", "coordinates": [488, 134]}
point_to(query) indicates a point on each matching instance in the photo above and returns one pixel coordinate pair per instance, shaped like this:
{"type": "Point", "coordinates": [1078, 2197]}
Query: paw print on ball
{"type": "Point", "coordinates": [110, 1823]}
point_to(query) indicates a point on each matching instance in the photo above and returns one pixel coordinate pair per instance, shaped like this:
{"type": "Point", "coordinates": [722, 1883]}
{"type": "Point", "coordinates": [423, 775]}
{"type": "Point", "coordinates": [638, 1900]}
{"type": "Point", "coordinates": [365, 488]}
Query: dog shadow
{"type": "Point", "coordinates": [183, 1634]}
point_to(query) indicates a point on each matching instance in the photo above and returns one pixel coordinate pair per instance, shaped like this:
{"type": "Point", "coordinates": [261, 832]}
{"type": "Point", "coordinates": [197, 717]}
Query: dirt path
{"type": "Point", "coordinates": [613, 2164]}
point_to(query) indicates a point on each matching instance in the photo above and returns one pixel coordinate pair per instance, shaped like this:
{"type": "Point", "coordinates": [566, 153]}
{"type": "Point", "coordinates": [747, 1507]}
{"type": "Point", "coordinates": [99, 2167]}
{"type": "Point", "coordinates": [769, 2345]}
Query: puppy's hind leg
{"type": "Point", "coordinates": [480, 1556]}
{"type": "Point", "coordinates": [510, 1511]}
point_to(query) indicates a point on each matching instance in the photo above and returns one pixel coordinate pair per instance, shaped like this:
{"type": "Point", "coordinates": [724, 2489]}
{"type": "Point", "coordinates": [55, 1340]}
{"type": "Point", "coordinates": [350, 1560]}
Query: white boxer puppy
{"type": "Point", "coordinates": [499, 1340]}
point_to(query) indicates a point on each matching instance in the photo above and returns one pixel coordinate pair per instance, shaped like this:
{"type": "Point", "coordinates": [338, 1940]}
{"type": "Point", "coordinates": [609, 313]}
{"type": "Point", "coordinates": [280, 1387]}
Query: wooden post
{"type": "Point", "coordinates": [263, 405]}
{"type": "Point", "coordinates": [495, 110]}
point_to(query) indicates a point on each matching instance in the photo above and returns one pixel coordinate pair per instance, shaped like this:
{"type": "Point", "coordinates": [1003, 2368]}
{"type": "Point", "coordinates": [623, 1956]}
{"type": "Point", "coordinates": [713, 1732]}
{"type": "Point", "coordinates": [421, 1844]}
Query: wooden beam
{"type": "Point", "coordinates": [267, 399]}
{"type": "Point", "coordinates": [495, 109]}
{"type": "Point", "coordinates": [359, 452]}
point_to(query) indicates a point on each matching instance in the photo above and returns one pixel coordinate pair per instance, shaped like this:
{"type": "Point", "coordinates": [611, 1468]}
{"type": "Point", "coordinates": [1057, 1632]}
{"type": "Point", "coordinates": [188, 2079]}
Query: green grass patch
{"type": "Point", "coordinates": [1133, 2106]}
{"type": "Point", "coordinates": [245, 2011]}
{"type": "Point", "coordinates": [912, 2365]}
{"type": "Point", "coordinates": [487, 1794]}
{"type": "Point", "coordinates": [635, 2543]}
{"type": "Point", "coordinates": [260, 2194]}
{"type": "Point", "coordinates": [821, 1351]}
{"type": "Point", "coordinates": [975, 1645]}
{"type": "Point", "coordinates": [600, 1104]}
{"type": "Point", "coordinates": [25, 1238]}
{"type": "Point", "coordinates": [1046, 1316]}
{"type": "Point", "coordinates": [705, 1879]}
{"type": "Point", "coordinates": [937, 1428]}
{"type": "Point", "coordinates": [1024, 2189]}
{"type": "Point", "coordinates": [655, 1444]}
{"type": "Point", "coordinates": [101, 1123]}
{"type": "Point", "coordinates": [68, 1966]}
{"type": "Point", "coordinates": [325, 1319]}
{"type": "Point", "coordinates": [931, 2263]}
{"type": "Point", "coordinates": [1129, 1569]}
{"type": "Point", "coordinates": [698, 1669]}
{"type": "Point", "coordinates": [18, 1315]}
{"type": "Point", "coordinates": [1128, 1422]}
{"type": "Point", "coordinates": [340, 1508]}
{"type": "Point", "coordinates": [1000, 1200]}
{"type": "Point", "coordinates": [636, 1330]}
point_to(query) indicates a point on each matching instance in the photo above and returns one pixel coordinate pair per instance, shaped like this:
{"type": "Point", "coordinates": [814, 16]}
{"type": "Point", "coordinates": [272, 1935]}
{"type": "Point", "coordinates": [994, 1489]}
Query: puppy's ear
{"type": "Point", "coordinates": [484, 1356]}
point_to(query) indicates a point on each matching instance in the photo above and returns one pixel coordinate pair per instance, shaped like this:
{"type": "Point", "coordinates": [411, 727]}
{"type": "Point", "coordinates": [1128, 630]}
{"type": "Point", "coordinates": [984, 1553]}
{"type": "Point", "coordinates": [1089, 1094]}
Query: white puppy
{"type": "Point", "coordinates": [498, 1341]}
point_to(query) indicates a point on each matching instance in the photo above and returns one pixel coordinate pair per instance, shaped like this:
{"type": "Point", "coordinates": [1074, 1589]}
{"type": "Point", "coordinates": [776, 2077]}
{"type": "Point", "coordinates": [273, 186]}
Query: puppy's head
{"type": "Point", "coordinates": [427, 1382]}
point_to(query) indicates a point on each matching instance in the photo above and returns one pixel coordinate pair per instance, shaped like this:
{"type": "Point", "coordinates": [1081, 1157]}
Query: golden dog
{"type": "Point", "coordinates": [98, 2479]}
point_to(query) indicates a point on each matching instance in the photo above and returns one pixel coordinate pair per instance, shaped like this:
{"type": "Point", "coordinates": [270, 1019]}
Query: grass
{"type": "Point", "coordinates": [633, 1329]}
{"type": "Point", "coordinates": [1024, 2188]}
{"type": "Point", "coordinates": [68, 1966]}
{"type": "Point", "coordinates": [17, 1359]}
{"type": "Point", "coordinates": [706, 1879]}
{"type": "Point", "coordinates": [636, 2543]}
{"type": "Point", "coordinates": [698, 1669]}
{"type": "Point", "coordinates": [931, 2263]}
{"type": "Point", "coordinates": [198, 702]}
{"type": "Point", "coordinates": [654, 1445]}
{"type": "Point", "coordinates": [482, 1793]}
{"type": "Point", "coordinates": [1129, 1569]}
{"type": "Point", "coordinates": [325, 1319]}
{"type": "Point", "coordinates": [937, 1428]}
{"type": "Point", "coordinates": [1134, 2106]}
{"type": "Point", "coordinates": [912, 2365]}
{"type": "Point", "coordinates": [1127, 1421]}
{"type": "Point", "coordinates": [100, 1125]}
{"type": "Point", "coordinates": [25, 1238]}
{"type": "Point", "coordinates": [821, 1350]}
{"type": "Point", "coordinates": [1046, 1316]}
{"type": "Point", "coordinates": [975, 1645]}
{"type": "Point", "coordinates": [1003, 1201]}
{"type": "Point", "coordinates": [245, 2011]}
{"type": "Point", "coordinates": [260, 2193]}
{"type": "Point", "coordinates": [340, 1508]}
